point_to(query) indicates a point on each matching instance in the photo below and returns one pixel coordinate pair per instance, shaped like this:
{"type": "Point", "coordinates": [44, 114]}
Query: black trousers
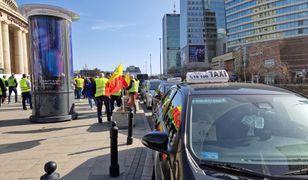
{"type": "Point", "coordinates": [116, 99]}
{"type": "Point", "coordinates": [26, 96]}
{"type": "Point", "coordinates": [106, 101]}
{"type": "Point", "coordinates": [13, 89]}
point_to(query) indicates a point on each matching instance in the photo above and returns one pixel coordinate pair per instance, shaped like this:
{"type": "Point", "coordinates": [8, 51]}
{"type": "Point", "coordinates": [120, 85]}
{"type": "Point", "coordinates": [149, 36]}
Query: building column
{"type": "Point", "coordinates": [25, 51]}
{"type": "Point", "coordinates": [19, 54]}
{"type": "Point", "coordinates": [6, 48]}
{"type": "Point", "coordinates": [1, 48]}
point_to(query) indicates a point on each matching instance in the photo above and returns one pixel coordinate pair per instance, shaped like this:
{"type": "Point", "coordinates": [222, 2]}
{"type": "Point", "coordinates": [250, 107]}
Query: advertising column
{"type": "Point", "coordinates": [51, 62]}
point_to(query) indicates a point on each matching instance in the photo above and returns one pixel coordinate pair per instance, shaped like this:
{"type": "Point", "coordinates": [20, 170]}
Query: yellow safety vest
{"type": "Point", "coordinates": [135, 86]}
{"type": "Point", "coordinates": [3, 81]}
{"type": "Point", "coordinates": [80, 82]}
{"type": "Point", "coordinates": [11, 82]}
{"type": "Point", "coordinates": [23, 85]}
{"type": "Point", "coordinates": [117, 93]}
{"type": "Point", "coordinates": [3, 84]}
{"type": "Point", "coordinates": [100, 86]}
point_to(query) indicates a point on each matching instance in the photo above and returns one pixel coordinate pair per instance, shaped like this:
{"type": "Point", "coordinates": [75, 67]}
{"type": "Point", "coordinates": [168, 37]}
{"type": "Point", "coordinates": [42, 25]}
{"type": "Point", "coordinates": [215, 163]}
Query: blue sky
{"type": "Point", "coordinates": [110, 32]}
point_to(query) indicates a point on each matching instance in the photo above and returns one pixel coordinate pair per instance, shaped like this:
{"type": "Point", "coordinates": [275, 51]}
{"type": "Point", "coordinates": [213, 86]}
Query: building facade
{"type": "Point", "coordinates": [198, 34]}
{"type": "Point", "coordinates": [13, 35]}
{"type": "Point", "coordinates": [171, 44]}
{"type": "Point", "coordinates": [218, 6]}
{"type": "Point", "coordinates": [261, 20]}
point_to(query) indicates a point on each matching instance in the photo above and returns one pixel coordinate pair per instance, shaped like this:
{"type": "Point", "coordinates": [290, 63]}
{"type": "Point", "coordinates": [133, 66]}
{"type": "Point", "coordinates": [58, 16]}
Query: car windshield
{"type": "Point", "coordinates": [167, 87]}
{"type": "Point", "coordinates": [154, 85]}
{"type": "Point", "coordinates": [250, 129]}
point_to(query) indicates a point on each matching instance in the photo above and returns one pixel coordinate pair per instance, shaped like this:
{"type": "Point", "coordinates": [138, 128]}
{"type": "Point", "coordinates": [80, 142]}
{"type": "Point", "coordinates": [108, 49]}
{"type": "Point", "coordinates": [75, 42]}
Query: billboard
{"type": "Point", "coordinates": [197, 53]}
{"type": "Point", "coordinates": [48, 52]}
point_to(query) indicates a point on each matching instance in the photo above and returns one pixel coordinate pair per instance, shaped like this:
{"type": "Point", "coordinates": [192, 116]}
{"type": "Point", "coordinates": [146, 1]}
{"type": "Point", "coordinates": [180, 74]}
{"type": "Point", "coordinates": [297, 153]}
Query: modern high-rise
{"type": "Point", "coordinates": [263, 20]}
{"type": "Point", "coordinates": [218, 6]}
{"type": "Point", "coordinates": [198, 34]}
{"type": "Point", "coordinates": [171, 44]}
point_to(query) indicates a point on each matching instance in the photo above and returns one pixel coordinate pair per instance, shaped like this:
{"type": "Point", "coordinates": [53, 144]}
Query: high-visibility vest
{"type": "Point", "coordinates": [117, 93]}
{"type": "Point", "coordinates": [80, 82]}
{"type": "Point", "coordinates": [3, 84]}
{"type": "Point", "coordinates": [11, 82]}
{"type": "Point", "coordinates": [135, 86]}
{"type": "Point", "coordinates": [3, 81]}
{"type": "Point", "coordinates": [23, 85]}
{"type": "Point", "coordinates": [100, 86]}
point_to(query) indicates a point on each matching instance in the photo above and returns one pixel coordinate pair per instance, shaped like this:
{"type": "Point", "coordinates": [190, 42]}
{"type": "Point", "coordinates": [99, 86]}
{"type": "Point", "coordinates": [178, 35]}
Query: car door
{"type": "Point", "coordinates": [159, 125]}
{"type": "Point", "coordinates": [172, 121]}
{"type": "Point", "coordinates": [170, 114]}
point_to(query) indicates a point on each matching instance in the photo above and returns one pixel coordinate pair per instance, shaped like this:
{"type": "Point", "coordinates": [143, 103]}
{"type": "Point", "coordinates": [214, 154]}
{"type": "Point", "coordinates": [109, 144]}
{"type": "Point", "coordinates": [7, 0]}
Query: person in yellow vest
{"type": "Point", "coordinates": [25, 87]}
{"type": "Point", "coordinates": [116, 97]}
{"type": "Point", "coordinates": [133, 92]}
{"type": "Point", "coordinates": [5, 83]}
{"type": "Point", "coordinates": [80, 85]}
{"type": "Point", "coordinates": [100, 96]}
{"type": "Point", "coordinates": [2, 91]}
{"type": "Point", "coordinates": [12, 84]}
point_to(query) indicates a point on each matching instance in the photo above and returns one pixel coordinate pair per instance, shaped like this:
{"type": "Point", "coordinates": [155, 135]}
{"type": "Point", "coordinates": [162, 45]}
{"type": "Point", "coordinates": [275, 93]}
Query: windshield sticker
{"type": "Point", "coordinates": [209, 155]}
{"type": "Point", "coordinates": [210, 101]}
{"type": "Point", "coordinates": [264, 106]}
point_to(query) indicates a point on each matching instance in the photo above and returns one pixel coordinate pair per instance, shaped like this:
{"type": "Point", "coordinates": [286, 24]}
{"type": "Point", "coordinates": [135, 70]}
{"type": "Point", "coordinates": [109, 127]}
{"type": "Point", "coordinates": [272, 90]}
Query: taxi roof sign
{"type": "Point", "coordinates": [210, 76]}
{"type": "Point", "coordinates": [175, 80]}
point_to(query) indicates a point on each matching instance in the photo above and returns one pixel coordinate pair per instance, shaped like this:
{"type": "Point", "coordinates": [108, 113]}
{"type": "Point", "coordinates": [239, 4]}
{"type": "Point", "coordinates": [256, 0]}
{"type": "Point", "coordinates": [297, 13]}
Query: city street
{"type": "Point", "coordinates": [81, 148]}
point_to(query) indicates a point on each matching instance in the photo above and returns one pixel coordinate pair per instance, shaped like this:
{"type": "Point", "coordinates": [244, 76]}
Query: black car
{"type": "Point", "coordinates": [230, 131]}
{"type": "Point", "coordinates": [162, 89]}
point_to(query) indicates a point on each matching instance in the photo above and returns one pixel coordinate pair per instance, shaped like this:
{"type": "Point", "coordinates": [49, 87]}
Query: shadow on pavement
{"type": "Point", "coordinates": [92, 150]}
{"type": "Point", "coordinates": [15, 122]}
{"type": "Point", "coordinates": [43, 130]}
{"type": "Point", "coordinates": [87, 115]}
{"type": "Point", "coordinates": [7, 148]}
{"type": "Point", "coordinates": [131, 162]}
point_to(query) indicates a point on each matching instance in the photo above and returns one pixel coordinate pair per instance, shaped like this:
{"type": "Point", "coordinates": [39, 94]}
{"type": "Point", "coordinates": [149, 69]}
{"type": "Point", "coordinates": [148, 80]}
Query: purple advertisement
{"type": "Point", "coordinates": [48, 52]}
{"type": "Point", "coordinates": [196, 53]}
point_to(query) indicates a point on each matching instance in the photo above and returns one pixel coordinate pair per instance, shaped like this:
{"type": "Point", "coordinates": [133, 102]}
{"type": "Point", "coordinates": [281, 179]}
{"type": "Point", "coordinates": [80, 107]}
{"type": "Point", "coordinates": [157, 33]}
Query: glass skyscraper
{"type": "Point", "coordinates": [198, 33]}
{"type": "Point", "coordinates": [250, 21]}
{"type": "Point", "coordinates": [218, 6]}
{"type": "Point", "coordinates": [171, 44]}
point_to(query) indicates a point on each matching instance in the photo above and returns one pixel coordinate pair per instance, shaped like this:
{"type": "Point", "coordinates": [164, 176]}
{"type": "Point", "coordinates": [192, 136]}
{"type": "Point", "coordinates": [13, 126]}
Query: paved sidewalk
{"type": "Point", "coordinates": [80, 147]}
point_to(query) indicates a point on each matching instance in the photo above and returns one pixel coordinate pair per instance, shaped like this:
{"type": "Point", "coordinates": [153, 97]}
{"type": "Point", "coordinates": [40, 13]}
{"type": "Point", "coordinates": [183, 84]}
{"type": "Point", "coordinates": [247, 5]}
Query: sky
{"type": "Point", "coordinates": [111, 32]}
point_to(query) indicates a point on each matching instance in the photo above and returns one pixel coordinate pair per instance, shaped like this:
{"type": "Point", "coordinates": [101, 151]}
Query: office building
{"type": "Point", "coordinates": [171, 44]}
{"type": "Point", "coordinates": [198, 34]}
{"type": "Point", "coordinates": [13, 39]}
{"type": "Point", "coordinates": [259, 20]}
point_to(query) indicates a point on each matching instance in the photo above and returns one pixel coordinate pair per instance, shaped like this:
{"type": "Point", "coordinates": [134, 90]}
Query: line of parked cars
{"type": "Point", "coordinates": [210, 128]}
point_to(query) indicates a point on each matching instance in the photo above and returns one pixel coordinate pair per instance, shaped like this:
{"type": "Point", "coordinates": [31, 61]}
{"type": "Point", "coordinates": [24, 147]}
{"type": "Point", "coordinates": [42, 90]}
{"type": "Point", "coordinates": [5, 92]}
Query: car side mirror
{"type": "Point", "coordinates": [157, 141]}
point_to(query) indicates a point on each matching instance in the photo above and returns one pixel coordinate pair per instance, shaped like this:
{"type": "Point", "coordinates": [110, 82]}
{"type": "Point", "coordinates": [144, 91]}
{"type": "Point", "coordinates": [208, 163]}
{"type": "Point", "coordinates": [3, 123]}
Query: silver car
{"type": "Point", "coordinates": [149, 90]}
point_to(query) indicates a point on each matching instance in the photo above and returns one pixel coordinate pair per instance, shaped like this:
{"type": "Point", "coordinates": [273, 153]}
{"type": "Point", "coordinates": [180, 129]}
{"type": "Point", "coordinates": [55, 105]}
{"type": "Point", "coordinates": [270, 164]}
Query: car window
{"type": "Point", "coordinates": [154, 85]}
{"type": "Point", "coordinates": [250, 128]}
{"type": "Point", "coordinates": [172, 117]}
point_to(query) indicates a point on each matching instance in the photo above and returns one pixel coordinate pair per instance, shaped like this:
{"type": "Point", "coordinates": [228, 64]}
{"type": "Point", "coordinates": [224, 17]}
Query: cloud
{"type": "Point", "coordinates": [109, 26]}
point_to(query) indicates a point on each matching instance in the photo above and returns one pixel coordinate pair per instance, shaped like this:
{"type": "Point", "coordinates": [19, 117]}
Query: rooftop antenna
{"type": "Point", "coordinates": [174, 8]}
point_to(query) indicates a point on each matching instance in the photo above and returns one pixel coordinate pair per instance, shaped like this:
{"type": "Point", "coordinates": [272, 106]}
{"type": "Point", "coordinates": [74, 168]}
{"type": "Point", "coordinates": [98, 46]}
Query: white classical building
{"type": "Point", "coordinates": [13, 39]}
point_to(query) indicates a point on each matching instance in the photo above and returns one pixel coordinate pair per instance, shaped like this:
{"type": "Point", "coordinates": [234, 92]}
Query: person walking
{"type": "Point", "coordinates": [25, 87]}
{"type": "Point", "coordinates": [12, 84]}
{"type": "Point", "coordinates": [2, 91]}
{"type": "Point", "coordinates": [116, 97]}
{"type": "Point", "coordinates": [100, 96]}
{"type": "Point", "coordinates": [80, 85]}
{"type": "Point", "coordinates": [133, 92]}
{"type": "Point", "coordinates": [5, 83]}
{"type": "Point", "coordinates": [89, 91]}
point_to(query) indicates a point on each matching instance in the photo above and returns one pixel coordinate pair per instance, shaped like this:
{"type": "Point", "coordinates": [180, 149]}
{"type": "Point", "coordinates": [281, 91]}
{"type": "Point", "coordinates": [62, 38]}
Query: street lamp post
{"type": "Point", "coordinates": [150, 64]}
{"type": "Point", "coordinates": [160, 58]}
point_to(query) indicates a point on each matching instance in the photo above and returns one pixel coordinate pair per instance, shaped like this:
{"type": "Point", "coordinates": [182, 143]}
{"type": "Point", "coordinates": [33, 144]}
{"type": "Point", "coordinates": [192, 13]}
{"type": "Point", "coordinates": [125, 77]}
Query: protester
{"type": "Point", "coordinates": [100, 95]}
{"type": "Point", "coordinates": [133, 92]}
{"type": "Point", "coordinates": [89, 91]}
{"type": "Point", "coordinates": [25, 87]}
{"type": "Point", "coordinates": [2, 91]}
{"type": "Point", "coordinates": [12, 83]}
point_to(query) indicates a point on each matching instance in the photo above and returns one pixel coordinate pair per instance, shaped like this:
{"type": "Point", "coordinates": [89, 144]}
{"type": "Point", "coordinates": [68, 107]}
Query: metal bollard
{"type": "Point", "coordinates": [114, 169]}
{"type": "Point", "coordinates": [50, 168]}
{"type": "Point", "coordinates": [130, 127]}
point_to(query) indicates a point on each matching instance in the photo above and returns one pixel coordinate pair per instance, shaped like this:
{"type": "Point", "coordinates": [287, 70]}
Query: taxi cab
{"type": "Point", "coordinates": [209, 128]}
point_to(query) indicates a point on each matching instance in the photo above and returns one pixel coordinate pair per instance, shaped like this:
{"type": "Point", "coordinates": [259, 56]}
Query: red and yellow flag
{"type": "Point", "coordinates": [115, 82]}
